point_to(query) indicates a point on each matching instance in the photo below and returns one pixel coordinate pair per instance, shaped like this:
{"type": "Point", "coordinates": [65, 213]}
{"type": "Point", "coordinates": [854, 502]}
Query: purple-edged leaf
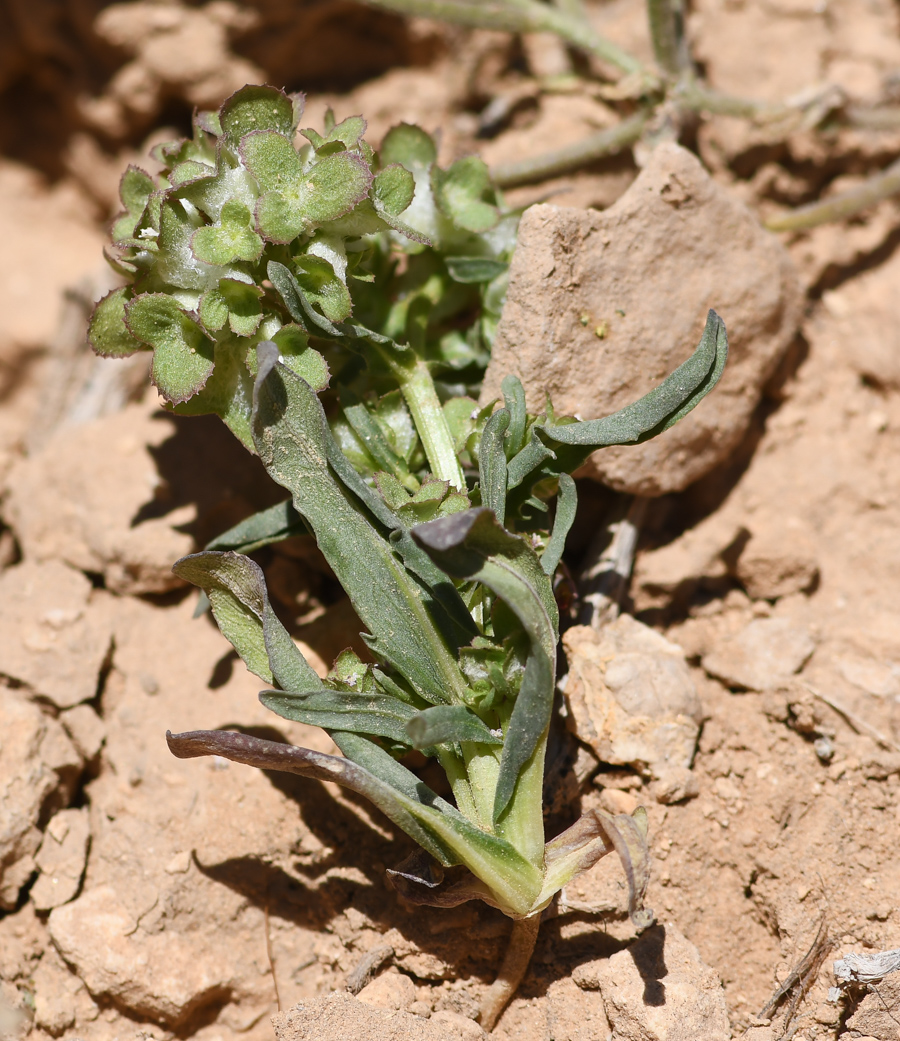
{"type": "Point", "coordinates": [393, 189]}
{"type": "Point", "coordinates": [348, 133]}
{"type": "Point", "coordinates": [260, 108]}
{"type": "Point", "coordinates": [107, 332]}
{"type": "Point", "coordinates": [135, 189]}
{"type": "Point", "coordinates": [229, 240]}
{"type": "Point", "coordinates": [228, 391]}
{"type": "Point", "coordinates": [182, 353]}
{"type": "Point", "coordinates": [189, 171]}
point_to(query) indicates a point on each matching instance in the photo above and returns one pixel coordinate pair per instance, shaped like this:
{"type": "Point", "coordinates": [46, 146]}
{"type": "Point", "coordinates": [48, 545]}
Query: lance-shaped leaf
{"type": "Point", "coordinates": [260, 108]}
{"type": "Point", "coordinates": [566, 507]}
{"type": "Point", "coordinates": [437, 826]}
{"type": "Point", "coordinates": [237, 591]}
{"type": "Point", "coordinates": [556, 448]}
{"type": "Point", "coordinates": [275, 524]}
{"type": "Point", "coordinates": [107, 333]}
{"type": "Point", "coordinates": [379, 715]}
{"type": "Point", "coordinates": [135, 189]}
{"type": "Point", "coordinates": [442, 724]}
{"type": "Point", "coordinates": [231, 238]}
{"type": "Point", "coordinates": [470, 270]}
{"type": "Point", "coordinates": [293, 199]}
{"type": "Point", "coordinates": [629, 837]}
{"type": "Point", "coordinates": [297, 449]}
{"type": "Point", "coordinates": [492, 464]}
{"type": "Point", "coordinates": [473, 546]}
{"type": "Point", "coordinates": [514, 400]}
{"type": "Point", "coordinates": [664, 406]}
{"type": "Point", "coordinates": [182, 353]}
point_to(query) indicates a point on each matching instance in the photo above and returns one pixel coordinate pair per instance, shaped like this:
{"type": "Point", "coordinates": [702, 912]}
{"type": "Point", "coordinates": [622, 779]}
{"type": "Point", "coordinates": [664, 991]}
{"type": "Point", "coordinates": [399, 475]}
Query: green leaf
{"type": "Point", "coordinates": [293, 345]}
{"type": "Point", "coordinates": [237, 591]}
{"type": "Point", "coordinates": [473, 546]}
{"type": "Point", "coordinates": [292, 199]}
{"type": "Point", "coordinates": [107, 332]}
{"type": "Point", "coordinates": [348, 132]}
{"type": "Point", "coordinates": [189, 172]}
{"type": "Point", "coordinates": [430, 820]}
{"type": "Point", "coordinates": [492, 464]}
{"type": "Point", "coordinates": [393, 189]}
{"type": "Point", "coordinates": [228, 391]}
{"type": "Point", "coordinates": [373, 437]}
{"type": "Point", "coordinates": [177, 264]}
{"type": "Point", "coordinates": [514, 399]}
{"type": "Point", "coordinates": [135, 189]}
{"type": "Point", "coordinates": [182, 354]}
{"type": "Point", "coordinates": [296, 447]}
{"type": "Point", "coordinates": [407, 145]}
{"type": "Point", "coordinates": [234, 303]}
{"type": "Point", "coordinates": [275, 524]}
{"type": "Point", "coordinates": [459, 191]}
{"type": "Point", "coordinates": [566, 508]}
{"type": "Point", "coordinates": [231, 239]}
{"type": "Point", "coordinates": [442, 724]}
{"type": "Point", "coordinates": [260, 108]}
{"type": "Point", "coordinates": [317, 279]}
{"type": "Point", "coordinates": [475, 269]}
{"type": "Point", "coordinates": [664, 406]}
{"type": "Point", "coordinates": [378, 715]}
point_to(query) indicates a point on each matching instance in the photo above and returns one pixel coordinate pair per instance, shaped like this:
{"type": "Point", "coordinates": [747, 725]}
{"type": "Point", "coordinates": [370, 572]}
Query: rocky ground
{"type": "Point", "coordinates": [143, 896]}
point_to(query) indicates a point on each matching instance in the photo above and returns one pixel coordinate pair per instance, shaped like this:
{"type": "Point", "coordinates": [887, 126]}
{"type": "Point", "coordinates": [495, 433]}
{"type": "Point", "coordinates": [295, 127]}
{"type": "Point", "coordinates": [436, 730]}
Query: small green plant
{"type": "Point", "coordinates": [335, 306]}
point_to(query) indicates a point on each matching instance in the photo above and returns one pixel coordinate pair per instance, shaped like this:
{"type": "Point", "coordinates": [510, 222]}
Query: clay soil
{"type": "Point", "coordinates": [148, 897]}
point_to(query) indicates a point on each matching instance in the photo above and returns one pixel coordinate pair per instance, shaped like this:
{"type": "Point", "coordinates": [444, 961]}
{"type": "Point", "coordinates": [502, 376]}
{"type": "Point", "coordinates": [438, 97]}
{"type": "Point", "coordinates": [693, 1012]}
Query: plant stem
{"type": "Point", "coordinates": [519, 16]}
{"type": "Point", "coordinates": [694, 95]}
{"type": "Point", "coordinates": [572, 157]}
{"type": "Point", "coordinates": [666, 19]}
{"type": "Point", "coordinates": [845, 204]}
{"type": "Point", "coordinates": [518, 955]}
{"type": "Point", "coordinates": [420, 395]}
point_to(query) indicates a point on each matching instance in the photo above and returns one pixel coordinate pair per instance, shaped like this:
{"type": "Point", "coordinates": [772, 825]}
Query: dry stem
{"type": "Point", "coordinates": [518, 955]}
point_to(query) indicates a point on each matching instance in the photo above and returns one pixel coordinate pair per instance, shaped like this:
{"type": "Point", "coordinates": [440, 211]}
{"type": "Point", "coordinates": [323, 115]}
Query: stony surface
{"type": "Point", "coordinates": [340, 1016]}
{"type": "Point", "coordinates": [632, 700]}
{"type": "Point", "coordinates": [391, 990]}
{"type": "Point", "coordinates": [61, 509]}
{"type": "Point", "coordinates": [602, 306]}
{"type": "Point", "coordinates": [762, 656]}
{"type": "Point", "coordinates": [50, 639]}
{"type": "Point", "coordinates": [61, 859]}
{"type": "Point", "coordinates": [38, 767]}
{"type": "Point", "coordinates": [660, 990]}
{"type": "Point", "coordinates": [85, 728]}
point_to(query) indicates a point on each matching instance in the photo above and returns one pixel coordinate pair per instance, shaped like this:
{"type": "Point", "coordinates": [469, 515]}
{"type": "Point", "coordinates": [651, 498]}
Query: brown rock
{"type": "Point", "coordinates": [37, 764]}
{"type": "Point", "coordinates": [60, 997]}
{"type": "Point", "coordinates": [876, 1015]}
{"type": "Point", "coordinates": [777, 563]}
{"type": "Point", "coordinates": [390, 990]}
{"type": "Point", "coordinates": [85, 728]}
{"type": "Point", "coordinates": [659, 990]}
{"type": "Point", "coordinates": [340, 1016]}
{"type": "Point", "coordinates": [61, 859]}
{"type": "Point", "coordinates": [762, 656]}
{"type": "Point", "coordinates": [50, 639]}
{"type": "Point", "coordinates": [76, 500]}
{"type": "Point", "coordinates": [602, 306]}
{"type": "Point", "coordinates": [632, 700]}
{"type": "Point", "coordinates": [574, 1015]}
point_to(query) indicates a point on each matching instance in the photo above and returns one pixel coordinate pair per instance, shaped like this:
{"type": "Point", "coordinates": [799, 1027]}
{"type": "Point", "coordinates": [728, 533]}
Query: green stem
{"type": "Point", "coordinates": [838, 207]}
{"type": "Point", "coordinates": [694, 95]}
{"type": "Point", "coordinates": [519, 16]}
{"type": "Point", "coordinates": [571, 157]}
{"type": "Point", "coordinates": [666, 19]}
{"type": "Point", "coordinates": [420, 395]}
